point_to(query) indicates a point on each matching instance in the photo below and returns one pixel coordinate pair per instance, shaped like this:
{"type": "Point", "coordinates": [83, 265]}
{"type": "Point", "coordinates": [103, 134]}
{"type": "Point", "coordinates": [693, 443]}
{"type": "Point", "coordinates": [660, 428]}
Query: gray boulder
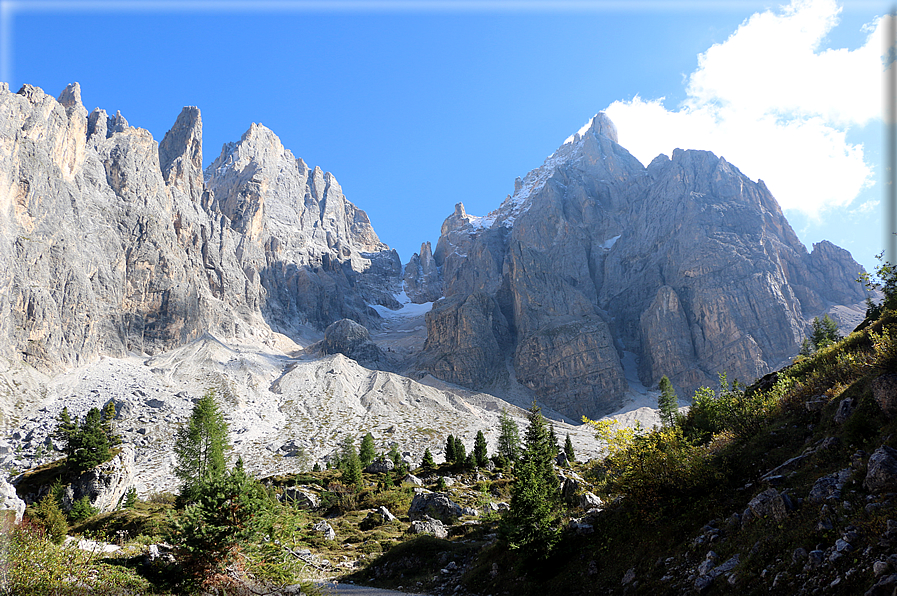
{"type": "Point", "coordinates": [769, 504]}
{"type": "Point", "coordinates": [435, 505]}
{"type": "Point", "coordinates": [325, 529]}
{"type": "Point", "coordinates": [301, 498]}
{"type": "Point", "coordinates": [428, 525]}
{"type": "Point", "coordinates": [828, 487]}
{"type": "Point", "coordinates": [881, 472]}
{"type": "Point", "coordinates": [381, 465]}
{"type": "Point", "coordinates": [412, 479]}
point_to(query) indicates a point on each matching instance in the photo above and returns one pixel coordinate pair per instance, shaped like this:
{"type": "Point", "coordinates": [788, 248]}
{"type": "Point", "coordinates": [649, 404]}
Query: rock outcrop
{"type": "Point", "coordinates": [115, 244]}
{"type": "Point", "coordinates": [686, 263]}
{"type": "Point", "coordinates": [105, 485]}
{"type": "Point", "coordinates": [350, 339]}
{"type": "Point", "coordinates": [421, 276]}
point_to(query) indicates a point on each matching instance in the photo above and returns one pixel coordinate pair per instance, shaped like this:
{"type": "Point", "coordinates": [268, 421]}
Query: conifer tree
{"type": "Point", "coordinates": [508, 438]}
{"type": "Point", "coordinates": [667, 403]}
{"type": "Point", "coordinates": [450, 454]}
{"type": "Point", "coordinates": [199, 446]}
{"type": "Point", "coordinates": [427, 463]}
{"type": "Point", "coordinates": [480, 450]}
{"type": "Point", "coordinates": [553, 440]}
{"type": "Point", "coordinates": [108, 417]}
{"type": "Point", "coordinates": [350, 464]}
{"type": "Point", "coordinates": [91, 444]}
{"type": "Point", "coordinates": [530, 523]}
{"type": "Point", "coordinates": [568, 450]}
{"type": "Point", "coordinates": [460, 453]}
{"type": "Point", "coordinates": [367, 453]}
{"type": "Point", "coordinates": [394, 455]}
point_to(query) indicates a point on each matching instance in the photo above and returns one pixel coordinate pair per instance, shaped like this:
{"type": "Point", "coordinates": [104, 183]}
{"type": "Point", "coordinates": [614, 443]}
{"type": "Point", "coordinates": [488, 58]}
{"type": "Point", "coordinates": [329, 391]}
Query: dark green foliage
{"type": "Point", "coordinates": [82, 509]}
{"type": "Point", "coordinates": [316, 467]}
{"type": "Point", "coordinates": [530, 523]}
{"type": "Point", "coordinates": [480, 450]}
{"type": "Point", "coordinates": [553, 440]}
{"type": "Point", "coordinates": [108, 417]}
{"type": "Point", "coordinates": [667, 403]}
{"type": "Point", "coordinates": [226, 513]}
{"type": "Point", "coordinates": [200, 445]}
{"type": "Point", "coordinates": [450, 455]}
{"type": "Point", "coordinates": [130, 498]}
{"type": "Point", "coordinates": [349, 463]}
{"type": "Point", "coordinates": [470, 462]}
{"type": "Point", "coordinates": [460, 453]}
{"type": "Point", "coordinates": [825, 332]}
{"type": "Point", "coordinates": [568, 450]}
{"type": "Point", "coordinates": [366, 452]}
{"type": "Point", "coordinates": [887, 284]}
{"type": "Point", "coordinates": [49, 515]}
{"type": "Point", "coordinates": [441, 486]}
{"type": "Point", "coordinates": [508, 438]}
{"type": "Point", "coordinates": [86, 445]}
{"type": "Point", "coordinates": [427, 462]}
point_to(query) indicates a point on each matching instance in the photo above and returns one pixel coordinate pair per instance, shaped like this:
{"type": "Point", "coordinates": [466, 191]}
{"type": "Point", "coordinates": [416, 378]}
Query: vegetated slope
{"type": "Point", "coordinates": [687, 263]}
{"type": "Point", "coordinates": [785, 488]}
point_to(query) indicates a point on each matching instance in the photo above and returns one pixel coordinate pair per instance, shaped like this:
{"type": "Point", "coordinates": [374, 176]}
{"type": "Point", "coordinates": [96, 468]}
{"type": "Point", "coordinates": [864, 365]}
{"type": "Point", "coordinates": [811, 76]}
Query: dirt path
{"type": "Point", "coordinates": [341, 589]}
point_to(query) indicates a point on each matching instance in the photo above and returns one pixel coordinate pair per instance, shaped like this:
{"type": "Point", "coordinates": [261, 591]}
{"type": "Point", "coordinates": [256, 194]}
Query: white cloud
{"type": "Point", "coordinates": [774, 105]}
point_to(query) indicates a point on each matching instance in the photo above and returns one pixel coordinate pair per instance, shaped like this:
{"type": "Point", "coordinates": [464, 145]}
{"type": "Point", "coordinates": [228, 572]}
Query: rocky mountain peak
{"type": "Point", "coordinates": [602, 125]}
{"type": "Point", "coordinates": [180, 153]}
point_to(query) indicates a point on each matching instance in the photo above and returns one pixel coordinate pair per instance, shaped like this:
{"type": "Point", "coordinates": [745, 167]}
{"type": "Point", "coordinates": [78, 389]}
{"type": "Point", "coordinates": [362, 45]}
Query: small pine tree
{"type": "Point", "coordinates": [508, 438]}
{"type": "Point", "coordinates": [49, 515]}
{"type": "Point", "coordinates": [108, 417]}
{"type": "Point", "coordinates": [130, 498]}
{"type": "Point", "coordinates": [199, 446]}
{"type": "Point", "coordinates": [667, 403]}
{"type": "Point", "coordinates": [427, 462]}
{"type": "Point", "coordinates": [530, 523]}
{"type": "Point", "coordinates": [350, 464]}
{"type": "Point", "coordinates": [316, 468]}
{"type": "Point", "coordinates": [450, 455]}
{"type": "Point", "coordinates": [568, 450]}
{"type": "Point", "coordinates": [460, 453]}
{"type": "Point", "coordinates": [825, 332]}
{"type": "Point", "coordinates": [82, 509]}
{"type": "Point", "coordinates": [92, 443]}
{"type": "Point", "coordinates": [553, 441]}
{"type": "Point", "coordinates": [226, 514]}
{"type": "Point", "coordinates": [480, 450]}
{"type": "Point", "coordinates": [366, 452]}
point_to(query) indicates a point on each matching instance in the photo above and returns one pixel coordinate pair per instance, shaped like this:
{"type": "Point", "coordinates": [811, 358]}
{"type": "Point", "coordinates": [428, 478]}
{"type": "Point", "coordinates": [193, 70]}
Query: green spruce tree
{"type": "Point", "coordinates": [530, 525]}
{"type": "Point", "coordinates": [199, 447]}
{"type": "Point", "coordinates": [460, 453]}
{"type": "Point", "coordinates": [508, 438]}
{"type": "Point", "coordinates": [427, 462]}
{"type": "Point", "coordinates": [367, 452]}
{"type": "Point", "coordinates": [553, 440]}
{"type": "Point", "coordinates": [350, 464]}
{"type": "Point", "coordinates": [480, 450]}
{"type": "Point", "coordinates": [568, 450]}
{"type": "Point", "coordinates": [667, 403]}
{"type": "Point", "coordinates": [450, 455]}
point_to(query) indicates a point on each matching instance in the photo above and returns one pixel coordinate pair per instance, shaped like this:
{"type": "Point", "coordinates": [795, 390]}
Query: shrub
{"type": "Point", "coordinates": [82, 509]}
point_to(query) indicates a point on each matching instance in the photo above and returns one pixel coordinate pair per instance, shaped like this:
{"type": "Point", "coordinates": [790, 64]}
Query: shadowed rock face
{"type": "Point", "coordinates": [686, 263]}
{"type": "Point", "coordinates": [112, 243]}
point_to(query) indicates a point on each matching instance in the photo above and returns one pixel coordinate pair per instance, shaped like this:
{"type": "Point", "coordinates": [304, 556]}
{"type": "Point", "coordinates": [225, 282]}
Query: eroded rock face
{"type": "Point", "coordinates": [421, 277]}
{"type": "Point", "coordinates": [10, 501]}
{"type": "Point", "coordinates": [686, 263]}
{"type": "Point", "coordinates": [104, 485]}
{"type": "Point", "coordinates": [114, 243]}
{"type": "Point", "coordinates": [350, 339]}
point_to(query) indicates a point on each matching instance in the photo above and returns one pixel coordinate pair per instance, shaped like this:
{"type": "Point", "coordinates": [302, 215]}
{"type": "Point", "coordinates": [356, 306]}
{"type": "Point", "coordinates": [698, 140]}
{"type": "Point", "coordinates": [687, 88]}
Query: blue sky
{"type": "Point", "coordinates": [414, 106]}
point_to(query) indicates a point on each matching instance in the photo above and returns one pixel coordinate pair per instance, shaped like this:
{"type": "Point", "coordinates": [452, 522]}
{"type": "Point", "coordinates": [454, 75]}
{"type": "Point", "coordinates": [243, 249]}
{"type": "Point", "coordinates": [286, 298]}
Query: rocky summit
{"type": "Point", "coordinates": [686, 264]}
{"type": "Point", "coordinates": [132, 274]}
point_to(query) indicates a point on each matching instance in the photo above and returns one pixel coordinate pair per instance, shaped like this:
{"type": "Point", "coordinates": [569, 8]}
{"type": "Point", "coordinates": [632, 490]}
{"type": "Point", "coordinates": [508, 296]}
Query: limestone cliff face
{"type": "Point", "coordinates": [421, 278]}
{"type": "Point", "coordinates": [114, 243]}
{"type": "Point", "coordinates": [686, 263]}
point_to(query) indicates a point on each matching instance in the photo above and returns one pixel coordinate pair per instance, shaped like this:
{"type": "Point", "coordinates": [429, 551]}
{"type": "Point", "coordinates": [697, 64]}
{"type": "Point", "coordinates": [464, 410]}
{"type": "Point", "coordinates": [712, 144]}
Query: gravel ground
{"type": "Point", "coordinates": [340, 589]}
